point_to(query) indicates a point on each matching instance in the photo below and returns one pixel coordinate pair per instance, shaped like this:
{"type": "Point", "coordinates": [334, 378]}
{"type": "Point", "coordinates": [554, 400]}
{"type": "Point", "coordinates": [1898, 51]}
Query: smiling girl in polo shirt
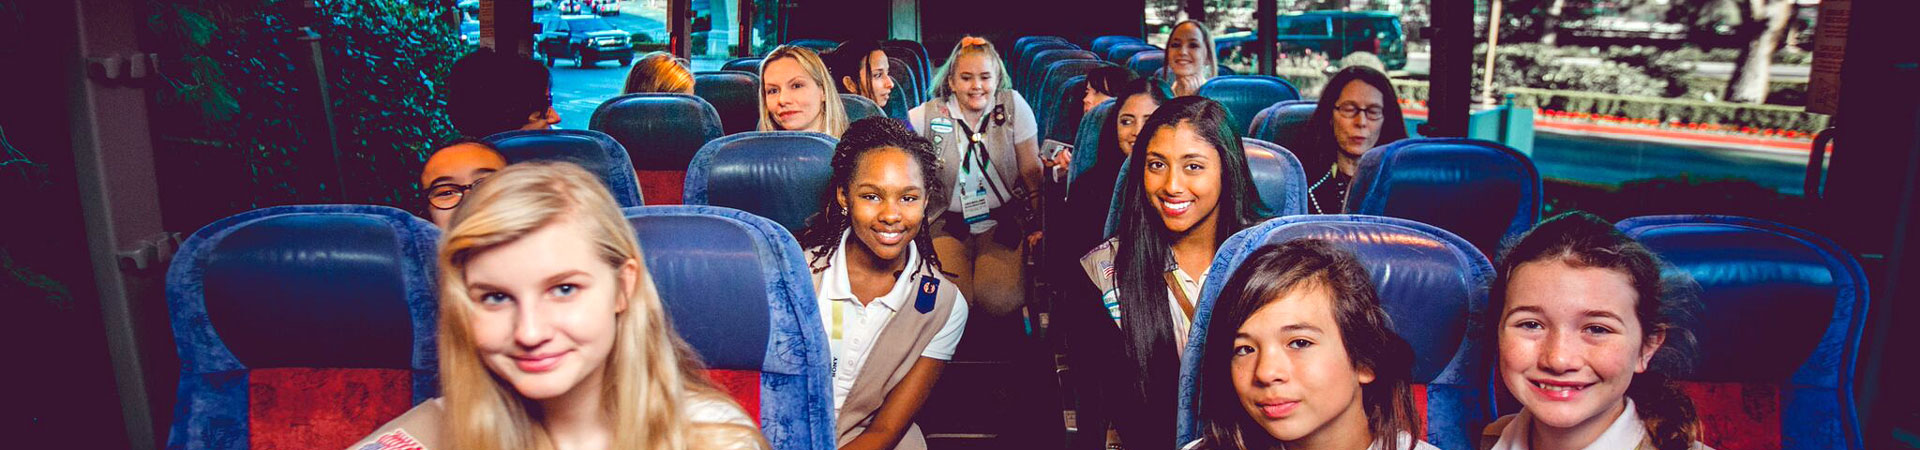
{"type": "Point", "coordinates": [892, 319]}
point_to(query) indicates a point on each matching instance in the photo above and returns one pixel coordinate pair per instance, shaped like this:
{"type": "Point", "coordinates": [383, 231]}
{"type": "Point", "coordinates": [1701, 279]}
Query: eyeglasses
{"type": "Point", "coordinates": [1350, 111]}
{"type": "Point", "coordinates": [449, 196]}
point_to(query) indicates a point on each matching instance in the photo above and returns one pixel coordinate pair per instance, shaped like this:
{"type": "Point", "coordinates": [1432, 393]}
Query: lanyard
{"type": "Point", "coordinates": [977, 149]}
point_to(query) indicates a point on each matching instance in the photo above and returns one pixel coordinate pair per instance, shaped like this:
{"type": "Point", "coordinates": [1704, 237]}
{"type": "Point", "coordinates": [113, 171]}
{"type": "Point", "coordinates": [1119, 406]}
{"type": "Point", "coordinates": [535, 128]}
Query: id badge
{"type": "Point", "coordinates": [973, 199]}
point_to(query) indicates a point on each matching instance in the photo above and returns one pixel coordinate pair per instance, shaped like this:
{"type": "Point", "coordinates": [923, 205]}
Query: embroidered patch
{"type": "Point", "coordinates": [396, 440]}
{"type": "Point", "coordinates": [941, 125]}
{"type": "Point", "coordinates": [929, 293]}
{"type": "Point", "coordinates": [1106, 270]}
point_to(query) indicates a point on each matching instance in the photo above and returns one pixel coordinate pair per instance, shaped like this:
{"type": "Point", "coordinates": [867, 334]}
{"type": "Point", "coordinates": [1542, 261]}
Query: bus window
{"type": "Point", "coordinates": [1635, 112]}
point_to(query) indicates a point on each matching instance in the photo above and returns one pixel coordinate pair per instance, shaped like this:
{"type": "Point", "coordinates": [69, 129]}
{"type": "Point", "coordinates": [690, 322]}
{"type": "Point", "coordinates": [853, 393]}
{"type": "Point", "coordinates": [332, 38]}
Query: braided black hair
{"type": "Point", "coordinates": [863, 137]}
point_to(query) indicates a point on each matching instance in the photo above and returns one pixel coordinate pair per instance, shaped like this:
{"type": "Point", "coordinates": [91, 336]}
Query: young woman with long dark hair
{"type": "Point", "coordinates": [1189, 190]}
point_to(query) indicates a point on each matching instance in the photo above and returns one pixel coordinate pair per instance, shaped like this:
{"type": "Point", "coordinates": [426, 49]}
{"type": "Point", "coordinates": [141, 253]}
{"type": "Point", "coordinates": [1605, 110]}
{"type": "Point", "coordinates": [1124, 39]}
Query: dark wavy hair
{"type": "Point", "coordinates": [1109, 144]}
{"type": "Point", "coordinates": [1662, 304]}
{"type": "Point", "coordinates": [1271, 273]}
{"type": "Point", "coordinates": [862, 138]}
{"type": "Point", "coordinates": [1146, 324]}
{"type": "Point", "coordinates": [850, 60]}
{"type": "Point", "coordinates": [1319, 149]}
{"type": "Point", "coordinates": [489, 92]}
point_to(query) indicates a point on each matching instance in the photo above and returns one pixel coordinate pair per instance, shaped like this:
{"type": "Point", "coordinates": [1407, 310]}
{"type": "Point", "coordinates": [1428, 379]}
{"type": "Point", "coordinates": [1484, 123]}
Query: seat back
{"type": "Point", "coordinates": [1147, 63]}
{"type": "Point", "coordinates": [1023, 67]}
{"type": "Point", "coordinates": [1245, 95]}
{"type": "Point", "coordinates": [594, 151]}
{"type": "Point", "coordinates": [759, 332]}
{"type": "Point", "coordinates": [1086, 141]}
{"type": "Point", "coordinates": [1103, 43]}
{"type": "Point", "coordinates": [735, 96]}
{"type": "Point", "coordinates": [1056, 85]}
{"type": "Point", "coordinates": [1278, 176]}
{"type": "Point", "coordinates": [1061, 121]}
{"type": "Point", "coordinates": [749, 64]}
{"type": "Point", "coordinates": [859, 107]}
{"type": "Point", "coordinates": [1282, 122]}
{"type": "Point", "coordinates": [1120, 53]}
{"type": "Point", "coordinates": [1023, 46]}
{"type": "Point", "coordinates": [1432, 285]}
{"type": "Point", "coordinates": [1041, 68]}
{"type": "Point", "coordinates": [1481, 190]}
{"type": "Point", "coordinates": [661, 133]}
{"type": "Point", "coordinates": [774, 174]}
{"type": "Point", "coordinates": [908, 91]}
{"type": "Point", "coordinates": [914, 54]}
{"type": "Point", "coordinates": [1779, 336]}
{"type": "Point", "coordinates": [302, 326]}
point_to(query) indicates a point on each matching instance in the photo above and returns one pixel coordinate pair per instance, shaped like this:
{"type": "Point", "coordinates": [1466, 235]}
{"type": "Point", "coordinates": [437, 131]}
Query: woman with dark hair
{"type": "Point", "coordinates": [1590, 335]}
{"type": "Point", "coordinates": [1090, 194]}
{"type": "Point", "coordinates": [1105, 83]}
{"type": "Point", "coordinates": [862, 68]}
{"type": "Point", "coordinates": [1190, 189]}
{"type": "Point", "coordinates": [1357, 112]}
{"type": "Point", "coordinates": [892, 319]}
{"type": "Point", "coordinates": [1299, 355]}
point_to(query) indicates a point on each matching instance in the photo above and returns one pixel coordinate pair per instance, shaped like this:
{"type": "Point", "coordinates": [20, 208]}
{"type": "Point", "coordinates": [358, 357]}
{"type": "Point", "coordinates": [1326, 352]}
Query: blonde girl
{"type": "Point", "coordinates": [552, 335]}
{"type": "Point", "coordinates": [797, 93]}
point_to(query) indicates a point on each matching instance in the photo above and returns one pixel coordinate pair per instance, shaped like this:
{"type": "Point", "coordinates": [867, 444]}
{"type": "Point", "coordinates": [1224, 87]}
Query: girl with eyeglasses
{"type": "Point", "coordinates": [453, 169]}
{"type": "Point", "coordinates": [1357, 112]}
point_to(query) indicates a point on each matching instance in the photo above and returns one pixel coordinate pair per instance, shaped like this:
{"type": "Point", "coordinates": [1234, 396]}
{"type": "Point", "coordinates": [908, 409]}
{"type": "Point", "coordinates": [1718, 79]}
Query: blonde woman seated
{"type": "Point", "coordinates": [659, 72]}
{"type": "Point", "coordinates": [552, 336]}
{"type": "Point", "coordinates": [797, 94]}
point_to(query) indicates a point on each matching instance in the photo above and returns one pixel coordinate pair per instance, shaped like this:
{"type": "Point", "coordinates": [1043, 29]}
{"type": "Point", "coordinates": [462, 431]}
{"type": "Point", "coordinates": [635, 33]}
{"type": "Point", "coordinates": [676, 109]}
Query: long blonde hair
{"type": "Point", "coordinates": [969, 45]}
{"type": "Point", "coordinates": [650, 373]}
{"type": "Point", "coordinates": [833, 117]}
{"type": "Point", "coordinates": [658, 72]}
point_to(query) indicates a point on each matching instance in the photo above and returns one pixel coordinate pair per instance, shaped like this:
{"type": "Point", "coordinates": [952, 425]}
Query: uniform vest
{"type": "Point", "coordinates": [950, 143]}
{"type": "Point", "coordinates": [894, 352]}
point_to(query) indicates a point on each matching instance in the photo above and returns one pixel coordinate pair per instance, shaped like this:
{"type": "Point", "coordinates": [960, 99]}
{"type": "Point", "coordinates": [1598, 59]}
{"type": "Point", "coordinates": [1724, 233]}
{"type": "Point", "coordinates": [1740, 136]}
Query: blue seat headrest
{"type": "Point", "coordinates": [735, 97]}
{"type": "Point", "coordinates": [859, 107]}
{"type": "Point", "coordinates": [1147, 63]}
{"type": "Point", "coordinates": [1481, 190]}
{"type": "Point", "coordinates": [748, 64]}
{"type": "Point", "coordinates": [686, 254]}
{"type": "Point", "coordinates": [1086, 142]}
{"type": "Point", "coordinates": [1282, 122]}
{"type": "Point", "coordinates": [1245, 95]}
{"type": "Point", "coordinates": [322, 286]}
{"type": "Point", "coordinates": [774, 174]}
{"type": "Point", "coordinates": [594, 151]}
{"type": "Point", "coordinates": [1278, 176]}
{"type": "Point", "coordinates": [1120, 53]}
{"type": "Point", "coordinates": [1779, 304]}
{"type": "Point", "coordinates": [661, 131]}
{"type": "Point", "coordinates": [1103, 43]}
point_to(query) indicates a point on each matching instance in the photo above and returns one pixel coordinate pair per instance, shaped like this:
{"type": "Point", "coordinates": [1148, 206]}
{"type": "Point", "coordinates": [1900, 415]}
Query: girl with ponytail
{"type": "Point", "coordinates": [1590, 335]}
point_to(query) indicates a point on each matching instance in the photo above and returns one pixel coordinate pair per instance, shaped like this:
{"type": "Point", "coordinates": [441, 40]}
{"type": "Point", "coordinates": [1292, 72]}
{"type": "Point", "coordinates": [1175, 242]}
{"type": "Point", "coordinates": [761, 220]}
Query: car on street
{"type": "Point", "coordinates": [1333, 33]}
{"type": "Point", "coordinates": [585, 39]}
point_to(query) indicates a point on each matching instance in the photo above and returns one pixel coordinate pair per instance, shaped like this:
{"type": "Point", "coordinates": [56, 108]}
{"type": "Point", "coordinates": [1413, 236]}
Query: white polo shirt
{"type": "Point", "coordinates": [852, 327]}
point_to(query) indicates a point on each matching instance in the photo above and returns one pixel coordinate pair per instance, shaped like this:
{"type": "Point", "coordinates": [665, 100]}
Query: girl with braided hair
{"type": "Point", "coordinates": [892, 319]}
